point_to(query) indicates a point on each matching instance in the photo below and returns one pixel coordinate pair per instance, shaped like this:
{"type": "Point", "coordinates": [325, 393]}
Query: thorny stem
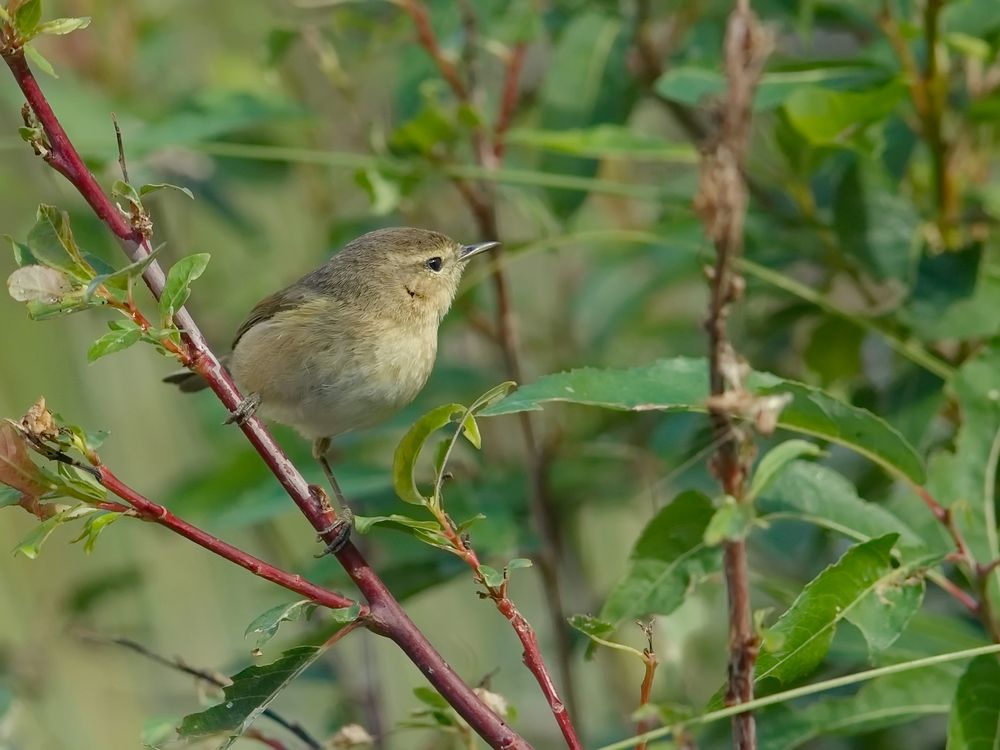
{"type": "Point", "coordinates": [481, 201]}
{"type": "Point", "coordinates": [385, 617]}
{"type": "Point", "coordinates": [721, 202]}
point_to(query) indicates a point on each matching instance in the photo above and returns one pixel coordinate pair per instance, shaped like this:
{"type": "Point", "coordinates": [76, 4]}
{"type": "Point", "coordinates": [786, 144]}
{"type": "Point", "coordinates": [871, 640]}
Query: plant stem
{"type": "Point", "coordinates": [385, 617]}
{"type": "Point", "coordinates": [721, 202]}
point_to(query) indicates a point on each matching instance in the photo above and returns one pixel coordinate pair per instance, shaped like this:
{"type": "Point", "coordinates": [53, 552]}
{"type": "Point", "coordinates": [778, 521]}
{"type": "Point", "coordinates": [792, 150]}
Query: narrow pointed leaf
{"type": "Point", "coordinates": [680, 384]}
{"type": "Point", "coordinates": [250, 693]}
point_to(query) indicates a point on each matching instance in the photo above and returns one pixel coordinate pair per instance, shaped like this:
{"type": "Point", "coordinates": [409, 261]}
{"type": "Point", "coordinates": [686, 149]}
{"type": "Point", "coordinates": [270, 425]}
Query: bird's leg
{"type": "Point", "coordinates": [345, 517]}
{"type": "Point", "coordinates": [246, 409]}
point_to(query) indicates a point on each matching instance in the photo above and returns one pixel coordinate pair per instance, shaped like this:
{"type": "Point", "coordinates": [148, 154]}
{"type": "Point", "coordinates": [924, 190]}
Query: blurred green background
{"type": "Point", "coordinates": [299, 125]}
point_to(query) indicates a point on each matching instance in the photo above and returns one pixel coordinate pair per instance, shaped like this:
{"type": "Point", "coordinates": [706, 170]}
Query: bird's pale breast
{"type": "Point", "coordinates": [326, 379]}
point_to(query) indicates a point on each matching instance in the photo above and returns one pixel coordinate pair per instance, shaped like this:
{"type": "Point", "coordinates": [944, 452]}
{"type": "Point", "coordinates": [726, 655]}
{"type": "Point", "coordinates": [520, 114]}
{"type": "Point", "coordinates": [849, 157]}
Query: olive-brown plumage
{"type": "Point", "coordinates": [350, 343]}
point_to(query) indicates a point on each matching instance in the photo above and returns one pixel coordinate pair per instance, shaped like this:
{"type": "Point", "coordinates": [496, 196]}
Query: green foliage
{"type": "Point", "coordinates": [881, 703]}
{"type": "Point", "coordinates": [177, 288]}
{"type": "Point", "coordinates": [670, 557]}
{"type": "Point", "coordinates": [588, 85]}
{"type": "Point", "coordinates": [974, 723]}
{"type": "Point", "coordinates": [862, 587]}
{"type": "Point", "coordinates": [251, 692]}
{"type": "Point", "coordinates": [681, 384]}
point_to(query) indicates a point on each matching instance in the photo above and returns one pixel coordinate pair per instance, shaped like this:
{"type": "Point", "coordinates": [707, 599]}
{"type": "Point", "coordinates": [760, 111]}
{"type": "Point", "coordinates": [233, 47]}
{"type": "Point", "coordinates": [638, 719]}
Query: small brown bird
{"type": "Point", "coordinates": [349, 344]}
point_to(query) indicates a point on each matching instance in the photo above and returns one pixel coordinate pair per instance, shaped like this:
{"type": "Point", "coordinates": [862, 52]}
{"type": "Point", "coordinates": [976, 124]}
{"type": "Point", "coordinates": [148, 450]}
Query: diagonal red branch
{"type": "Point", "coordinates": [386, 616]}
{"type": "Point", "coordinates": [150, 511]}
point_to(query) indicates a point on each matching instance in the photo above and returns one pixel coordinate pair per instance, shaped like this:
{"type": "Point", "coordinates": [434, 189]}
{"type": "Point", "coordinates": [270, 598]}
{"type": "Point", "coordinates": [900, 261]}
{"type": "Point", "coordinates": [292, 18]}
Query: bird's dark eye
{"type": "Point", "coordinates": [434, 264]}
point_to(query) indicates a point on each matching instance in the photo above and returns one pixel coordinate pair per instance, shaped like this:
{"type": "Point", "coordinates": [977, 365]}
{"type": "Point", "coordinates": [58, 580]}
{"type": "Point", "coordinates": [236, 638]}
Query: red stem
{"type": "Point", "coordinates": [533, 660]}
{"type": "Point", "coordinates": [645, 692]}
{"type": "Point", "coordinates": [150, 511]}
{"type": "Point", "coordinates": [386, 617]}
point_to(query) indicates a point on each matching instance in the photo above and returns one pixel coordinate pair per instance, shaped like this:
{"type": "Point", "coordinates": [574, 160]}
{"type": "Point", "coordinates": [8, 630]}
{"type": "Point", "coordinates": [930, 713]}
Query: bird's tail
{"type": "Point", "coordinates": [190, 382]}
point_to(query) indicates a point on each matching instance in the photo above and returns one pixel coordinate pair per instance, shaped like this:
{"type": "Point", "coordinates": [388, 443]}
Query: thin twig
{"type": "Point", "coordinates": [385, 617]}
{"type": "Point", "coordinates": [204, 675]}
{"type": "Point", "coordinates": [646, 689]}
{"type": "Point", "coordinates": [721, 202]}
{"type": "Point", "coordinates": [121, 148]}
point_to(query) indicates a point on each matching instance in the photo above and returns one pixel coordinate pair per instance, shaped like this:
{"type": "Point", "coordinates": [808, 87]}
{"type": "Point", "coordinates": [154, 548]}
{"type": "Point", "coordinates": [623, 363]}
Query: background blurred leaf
{"type": "Point", "coordinates": [588, 84]}
{"type": "Point", "coordinates": [974, 723]}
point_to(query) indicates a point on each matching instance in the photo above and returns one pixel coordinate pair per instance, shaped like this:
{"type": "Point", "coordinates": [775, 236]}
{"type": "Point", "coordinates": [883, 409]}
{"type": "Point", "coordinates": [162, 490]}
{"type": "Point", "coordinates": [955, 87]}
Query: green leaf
{"type": "Point", "coordinates": [681, 384]}
{"type": "Point", "coordinates": [122, 189]}
{"type": "Point", "coordinates": [491, 576]}
{"type": "Point", "coordinates": [250, 693]}
{"type": "Point", "coordinates": [668, 559]}
{"type": "Point", "coordinates": [154, 186]}
{"type": "Point", "coordinates": [731, 522]}
{"type": "Point", "coordinates": [955, 294]}
{"type": "Point", "coordinates": [22, 253]}
{"type": "Point", "coordinates": [31, 545]}
{"type": "Point", "coordinates": [179, 279]}
{"type": "Point", "coordinates": [775, 460]}
{"type": "Point", "coordinates": [26, 18]}
{"type": "Point", "coordinates": [9, 496]}
{"type": "Point", "coordinates": [603, 141]}
{"type": "Point", "coordinates": [265, 626]}
{"type": "Point", "coordinates": [408, 451]}
{"type": "Point", "coordinates": [876, 224]}
{"type": "Point", "coordinates": [824, 116]}
{"type": "Point", "coordinates": [819, 495]}
{"type": "Point", "coordinates": [884, 613]}
{"type": "Point", "coordinates": [32, 53]}
{"type": "Point", "coordinates": [63, 25]}
{"type": "Point", "coordinates": [112, 342]}
{"type": "Point", "coordinates": [591, 626]}
{"type": "Point", "coordinates": [587, 83]}
{"type": "Point", "coordinates": [689, 84]}
{"type": "Point", "coordinates": [93, 527]}
{"type": "Point", "coordinates": [974, 723]}
{"type": "Point", "coordinates": [809, 624]}
{"type": "Point", "coordinates": [428, 532]}
{"type": "Point", "coordinates": [119, 279]}
{"type": "Point", "coordinates": [51, 242]}
{"type": "Point", "coordinates": [384, 193]}
{"type": "Point", "coordinates": [884, 702]}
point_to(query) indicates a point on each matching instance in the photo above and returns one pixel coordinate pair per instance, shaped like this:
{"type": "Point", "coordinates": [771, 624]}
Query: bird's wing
{"type": "Point", "coordinates": [267, 308]}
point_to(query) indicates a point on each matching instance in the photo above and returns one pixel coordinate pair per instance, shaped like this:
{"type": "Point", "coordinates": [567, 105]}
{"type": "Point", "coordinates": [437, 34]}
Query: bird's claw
{"type": "Point", "coordinates": [246, 409]}
{"type": "Point", "coordinates": [341, 531]}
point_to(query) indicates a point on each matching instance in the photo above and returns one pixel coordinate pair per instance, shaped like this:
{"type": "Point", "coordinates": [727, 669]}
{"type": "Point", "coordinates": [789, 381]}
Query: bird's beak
{"type": "Point", "coordinates": [469, 250]}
